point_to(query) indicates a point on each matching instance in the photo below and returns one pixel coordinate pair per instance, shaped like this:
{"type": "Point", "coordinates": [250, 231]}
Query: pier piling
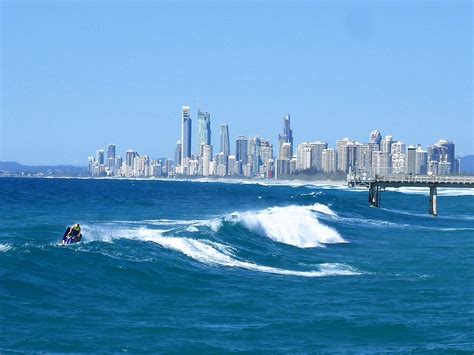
{"type": "Point", "coordinates": [433, 200]}
{"type": "Point", "coordinates": [378, 183]}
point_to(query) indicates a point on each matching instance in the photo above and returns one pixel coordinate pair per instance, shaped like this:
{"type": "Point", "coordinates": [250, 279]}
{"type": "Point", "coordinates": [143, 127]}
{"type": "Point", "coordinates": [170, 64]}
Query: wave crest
{"type": "Point", "coordinates": [293, 225]}
{"type": "Point", "coordinates": [213, 253]}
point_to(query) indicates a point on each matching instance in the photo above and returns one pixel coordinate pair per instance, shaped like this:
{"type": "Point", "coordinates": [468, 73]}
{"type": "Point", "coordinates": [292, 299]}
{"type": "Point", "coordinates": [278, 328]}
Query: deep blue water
{"type": "Point", "coordinates": [216, 267]}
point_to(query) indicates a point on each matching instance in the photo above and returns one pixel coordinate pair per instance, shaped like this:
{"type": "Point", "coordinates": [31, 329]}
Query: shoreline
{"type": "Point", "coordinates": [268, 182]}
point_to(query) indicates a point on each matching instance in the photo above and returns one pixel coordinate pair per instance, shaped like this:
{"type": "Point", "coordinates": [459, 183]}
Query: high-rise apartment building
{"type": "Point", "coordinates": [204, 130]}
{"type": "Point", "coordinates": [329, 160]}
{"type": "Point", "coordinates": [341, 155]}
{"type": "Point", "coordinates": [225, 143]}
{"type": "Point", "coordinates": [186, 128]}
{"type": "Point", "coordinates": [352, 153]}
{"type": "Point", "coordinates": [376, 138]}
{"type": "Point", "coordinates": [100, 157]}
{"type": "Point", "coordinates": [111, 151]}
{"type": "Point", "coordinates": [241, 149]}
{"type": "Point", "coordinates": [286, 151]}
{"type": "Point", "coordinates": [129, 157]}
{"type": "Point", "coordinates": [111, 156]}
{"type": "Point", "coordinates": [254, 154]}
{"type": "Point", "coordinates": [365, 156]}
{"type": "Point", "coordinates": [286, 136]}
{"type": "Point", "coordinates": [411, 160]}
{"type": "Point", "coordinates": [386, 144]}
{"type": "Point", "coordinates": [317, 162]}
{"type": "Point", "coordinates": [398, 148]}
{"type": "Point", "coordinates": [304, 156]}
{"type": "Point", "coordinates": [421, 161]}
{"type": "Point", "coordinates": [398, 163]}
{"type": "Point", "coordinates": [381, 162]}
{"type": "Point", "coordinates": [206, 159]}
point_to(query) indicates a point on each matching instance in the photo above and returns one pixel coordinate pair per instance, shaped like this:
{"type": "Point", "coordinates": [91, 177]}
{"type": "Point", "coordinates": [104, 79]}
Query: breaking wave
{"type": "Point", "coordinates": [441, 191]}
{"type": "Point", "coordinates": [293, 225]}
{"type": "Point", "coordinates": [5, 247]}
{"type": "Point", "coordinates": [210, 252]}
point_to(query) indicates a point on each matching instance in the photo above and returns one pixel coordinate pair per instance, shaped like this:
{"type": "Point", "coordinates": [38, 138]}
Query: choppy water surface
{"type": "Point", "coordinates": [194, 266]}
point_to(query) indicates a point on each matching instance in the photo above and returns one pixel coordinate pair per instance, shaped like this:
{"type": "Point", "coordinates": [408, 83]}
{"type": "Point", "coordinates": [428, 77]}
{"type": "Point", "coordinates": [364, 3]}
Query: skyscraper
{"type": "Point", "coordinates": [178, 153]}
{"type": "Point", "coordinates": [111, 151]}
{"type": "Point", "coordinates": [224, 134]}
{"type": "Point", "coordinates": [254, 155]}
{"type": "Point", "coordinates": [411, 160]}
{"type": "Point", "coordinates": [129, 156]}
{"type": "Point", "coordinates": [381, 162]}
{"type": "Point", "coordinates": [329, 160]}
{"type": "Point", "coordinates": [376, 138]}
{"type": "Point", "coordinates": [241, 150]}
{"type": "Point", "coordinates": [100, 157]}
{"type": "Point", "coordinates": [421, 161]}
{"type": "Point", "coordinates": [285, 151]}
{"type": "Point", "coordinates": [186, 133]}
{"type": "Point", "coordinates": [286, 136]}
{"type": "Point", "coordinates": [386, 144]}
{"type": "Point", "coordinates": [204, 130]}
{"type": "Point", "coordinates": [341, 155]}
{"type": "Point", "coordinates": [318, 155]}
{"type": "Point", "coordinates": [206, 159]}
{"type": "Point", "coordinates": [111, 156]}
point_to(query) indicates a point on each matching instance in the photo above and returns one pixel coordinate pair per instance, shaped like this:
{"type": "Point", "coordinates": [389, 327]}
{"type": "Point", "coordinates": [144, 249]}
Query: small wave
{"type": "Point", "coordinates": [318, 207]}
{"type": "Point", "coordinates": [5, 247]}
{"type": "Point", "coordinates": [441, 191]}
{"type": "Point", "coordinates": [211, 253]}
{"type": "Point", "coordinates": [208, 252]}
{"type": "Point", "coordinates": [293, 225]}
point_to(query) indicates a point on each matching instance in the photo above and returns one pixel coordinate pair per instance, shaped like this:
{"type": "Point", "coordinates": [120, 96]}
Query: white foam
{"type": "Point", "coordinates": [192, 229]}
{"type": "Point", "coordinates": [5, 247]}
{"type": "Point", "coordinates": [318, 207]}
{"type": "Point", "coordinates": [206, 252]}
{"type": "Point", "coordinates": [293, 225]}
{"type": "Point", "coordinates": [209, 252]}
{"type": "Point", "coordinates": [441, 191]}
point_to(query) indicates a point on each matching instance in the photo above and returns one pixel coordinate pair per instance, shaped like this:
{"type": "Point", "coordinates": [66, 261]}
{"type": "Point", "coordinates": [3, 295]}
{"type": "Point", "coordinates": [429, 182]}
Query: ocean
{"type": "Point", "coordinates": [212, 267]}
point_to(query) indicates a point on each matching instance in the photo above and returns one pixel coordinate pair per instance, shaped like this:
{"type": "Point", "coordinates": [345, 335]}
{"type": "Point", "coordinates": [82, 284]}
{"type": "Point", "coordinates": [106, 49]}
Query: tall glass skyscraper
{"type": "Point", "coordinates": [100, 156]}
{"type": "Point", "coordinates": [111, 151]}
{"type": "Point", "coordinates": [224, 133]}
{"type": "Point", "coordinates": [111, 156]}
{"type": "Point", "coordinates": [186, 133]}
{"type": "Point", "coordinates": [241, 150]}
{"type": "Point", "coordinates": [204, 130]}
{"type": "Point", "coordinates": [287, 135]}
{"type": "Point", "coordinates": [178, 153]}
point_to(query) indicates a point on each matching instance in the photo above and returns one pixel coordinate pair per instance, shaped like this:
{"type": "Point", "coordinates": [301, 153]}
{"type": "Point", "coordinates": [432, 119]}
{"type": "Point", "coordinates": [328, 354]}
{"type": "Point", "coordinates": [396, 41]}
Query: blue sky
{"type": "Point", "coordinates": [78, 75]}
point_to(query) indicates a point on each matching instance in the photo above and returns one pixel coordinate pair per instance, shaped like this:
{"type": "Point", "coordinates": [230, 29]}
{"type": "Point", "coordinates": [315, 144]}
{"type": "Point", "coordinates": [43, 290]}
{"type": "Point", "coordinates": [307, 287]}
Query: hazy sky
{"type": "Point", "coordinates": [78, 75]}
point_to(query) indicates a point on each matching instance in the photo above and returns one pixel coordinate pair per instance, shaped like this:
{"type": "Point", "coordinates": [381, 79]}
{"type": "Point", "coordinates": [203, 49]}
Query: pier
{"type": "Point", "coordinates": [378, 183]}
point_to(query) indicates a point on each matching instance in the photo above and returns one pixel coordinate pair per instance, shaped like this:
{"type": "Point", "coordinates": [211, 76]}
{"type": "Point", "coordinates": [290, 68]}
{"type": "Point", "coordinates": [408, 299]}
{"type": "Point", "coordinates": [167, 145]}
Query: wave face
{"type": "Point", "coordinates": [168, 266]}
{"type": "Point", "coordinates": [293, 225]}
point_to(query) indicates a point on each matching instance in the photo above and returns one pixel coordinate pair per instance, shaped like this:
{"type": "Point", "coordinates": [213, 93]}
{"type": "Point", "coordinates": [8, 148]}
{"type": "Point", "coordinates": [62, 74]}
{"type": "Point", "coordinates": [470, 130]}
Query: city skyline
{"type": "Point", "coordinates": [339, 69]}
{"type": "Point", "coordinates": [257, 157]}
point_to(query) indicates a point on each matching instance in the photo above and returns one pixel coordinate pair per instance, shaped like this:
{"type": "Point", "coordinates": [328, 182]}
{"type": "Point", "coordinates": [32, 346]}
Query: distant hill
{"type": "Point", "coordinates": [14, 168]}
{"type": "Point", "coordinates": [467, 164]}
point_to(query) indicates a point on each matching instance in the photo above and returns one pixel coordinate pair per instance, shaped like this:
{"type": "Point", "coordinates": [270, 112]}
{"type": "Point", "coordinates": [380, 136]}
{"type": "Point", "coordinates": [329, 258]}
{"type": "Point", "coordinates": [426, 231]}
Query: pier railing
{"type": "Point", "coordinates": [424, 179]}
{"type": "Point", "coordinates": [379, 182]}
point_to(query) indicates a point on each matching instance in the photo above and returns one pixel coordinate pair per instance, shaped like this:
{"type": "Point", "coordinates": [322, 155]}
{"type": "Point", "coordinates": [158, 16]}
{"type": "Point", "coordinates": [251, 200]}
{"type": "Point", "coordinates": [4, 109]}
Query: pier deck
{"type": "Point", "coordinates": [377, 183]}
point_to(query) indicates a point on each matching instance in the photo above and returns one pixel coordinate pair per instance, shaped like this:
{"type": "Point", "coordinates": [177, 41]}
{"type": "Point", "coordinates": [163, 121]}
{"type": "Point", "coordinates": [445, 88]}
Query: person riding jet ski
{"type": "Point", "coordinates": [72, 234]}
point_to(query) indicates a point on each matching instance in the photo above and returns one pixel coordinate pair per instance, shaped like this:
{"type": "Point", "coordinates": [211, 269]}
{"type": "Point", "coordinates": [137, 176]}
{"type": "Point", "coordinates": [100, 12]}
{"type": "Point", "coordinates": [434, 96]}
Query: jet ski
{"type": "Point", "coordinates": [71, 239]}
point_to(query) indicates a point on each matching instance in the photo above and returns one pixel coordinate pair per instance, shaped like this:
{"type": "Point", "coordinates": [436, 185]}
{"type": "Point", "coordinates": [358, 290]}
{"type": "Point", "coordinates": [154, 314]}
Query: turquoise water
{"type": "Point", "coordinates": [215, 267]}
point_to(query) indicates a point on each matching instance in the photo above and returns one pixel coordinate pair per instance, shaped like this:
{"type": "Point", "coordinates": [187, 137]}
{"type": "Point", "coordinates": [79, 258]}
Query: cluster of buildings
{"type": "Point", "coordinates": [255, 157]}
